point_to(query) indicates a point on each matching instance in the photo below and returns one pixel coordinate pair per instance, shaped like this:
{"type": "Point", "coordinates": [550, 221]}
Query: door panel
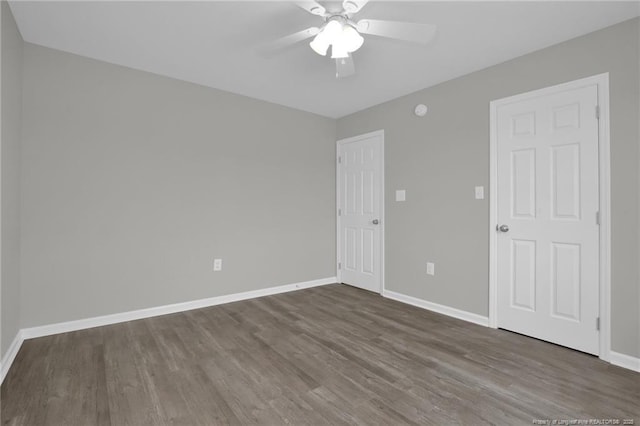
{"type": "Point", "coordinates": [548, 195]}
{"type": "Point", "coordinates": [360, 204]}
{"type": "Point", "coordinates": [523, 169]}
{"type": "Point", "coordinates": [565, 281]}
{"type": "Point", "coordinates": [523, 280]}
{"type": "Point", "coordinates": [565, 182]}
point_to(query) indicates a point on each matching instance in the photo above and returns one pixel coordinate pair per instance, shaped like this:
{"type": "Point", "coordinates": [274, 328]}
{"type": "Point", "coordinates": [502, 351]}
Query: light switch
{"type": "Point", "coordinates": [479, 192]}
{"type": "Point", "coordinates": [217, 265]}
{"type": "Point", "coordinates": [401, 195]}
{"type": "Point", "coordinates": [431, 268]}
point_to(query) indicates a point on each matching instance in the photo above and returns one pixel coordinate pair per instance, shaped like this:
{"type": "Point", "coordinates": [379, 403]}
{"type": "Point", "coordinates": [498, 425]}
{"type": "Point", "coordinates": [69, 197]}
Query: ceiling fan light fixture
{"type": "Point", "coordinates": [332, 30]}
{"type": "Point", "coordinates": [320, 45]}
{"type": "Point", "coordinates": [338, 51]}
{"type": "Point", "coordinates": [327, 36]}
{"type": "Point", "coordinates": [350, 39]}
{"type": "Point", "coordinates": [340, 35]}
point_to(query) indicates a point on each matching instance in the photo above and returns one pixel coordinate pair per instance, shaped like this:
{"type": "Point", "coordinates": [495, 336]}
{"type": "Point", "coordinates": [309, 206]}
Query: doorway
{"type": "Point", "coordinates": [549, 272]}
{"type": "Point", "coordinates": [360, 211]}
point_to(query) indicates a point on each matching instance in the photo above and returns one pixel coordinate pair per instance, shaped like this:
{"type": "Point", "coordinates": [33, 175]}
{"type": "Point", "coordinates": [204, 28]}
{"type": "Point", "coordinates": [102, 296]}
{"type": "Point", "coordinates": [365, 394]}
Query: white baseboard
{"type": "Point", "coordinates": [625, 361]}
{"type": "Point", "coordinates": [615, 358]}
{"type": "Point", "coordinates": [64, 327]}
{"type": "Point", "coordinates": [618, 359]}
{"type": "Point", "coordinates": [441, 309]}
{"type": "Point", "coordinates": [10, 355]}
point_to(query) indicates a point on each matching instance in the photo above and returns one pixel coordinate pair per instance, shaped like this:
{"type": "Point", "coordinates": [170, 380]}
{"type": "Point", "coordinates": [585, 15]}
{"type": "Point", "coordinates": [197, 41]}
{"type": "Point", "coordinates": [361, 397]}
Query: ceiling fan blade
{"type": "Point", "coordinates": [353, 6]}
{"type": "Point", "coordinates": [290, 40]}
{"type": "Point", "coordinates": [406, 31]}
{"type": "Point", "coordinates": [312, 7]}
{"type": "Point", "coordinates": [345, 67]}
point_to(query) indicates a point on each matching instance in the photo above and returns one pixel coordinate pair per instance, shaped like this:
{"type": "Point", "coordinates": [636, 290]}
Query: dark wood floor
{"type": "Point", "coordinates": [327, 355]}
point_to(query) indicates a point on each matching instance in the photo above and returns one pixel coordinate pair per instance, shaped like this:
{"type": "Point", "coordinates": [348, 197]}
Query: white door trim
{"type": "Point", "coordinates": [602, 81]}
{"type": "Point", "coordinates": [382, 202]}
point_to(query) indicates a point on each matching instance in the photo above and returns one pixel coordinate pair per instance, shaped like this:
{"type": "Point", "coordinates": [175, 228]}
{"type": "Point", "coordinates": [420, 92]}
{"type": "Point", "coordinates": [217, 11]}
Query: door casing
{"type": "Point", "coordinates": [602, 82]}
{"type": "Point", "coordinates": [339, 143]}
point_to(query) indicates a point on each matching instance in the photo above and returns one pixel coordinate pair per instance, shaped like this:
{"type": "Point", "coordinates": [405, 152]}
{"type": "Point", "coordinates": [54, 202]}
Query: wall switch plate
{"type": "Point", "coordinates": [217, 265]}
{"type": "Point", "coordinates": [479, 192]}
{"type": "Point", "coordinates": [401, 195]}
{"type": "Point", "coordinates": [431, 268]}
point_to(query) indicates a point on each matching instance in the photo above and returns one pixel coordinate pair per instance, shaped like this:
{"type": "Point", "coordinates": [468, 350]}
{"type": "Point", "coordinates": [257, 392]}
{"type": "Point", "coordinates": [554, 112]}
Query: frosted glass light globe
{"type": "Point", "coordinates": [350, 39]}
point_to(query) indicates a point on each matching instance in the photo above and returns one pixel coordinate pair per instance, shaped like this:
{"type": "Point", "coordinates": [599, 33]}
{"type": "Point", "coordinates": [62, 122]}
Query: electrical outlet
{"type": "Point", "coordinates": [431, 268]}
{"type": "Point", "coordinates": [479, 192]}
{"type": "Point", "coordinates": [217, 265]}
{"type": "Point", "coordinates": [401, 195]}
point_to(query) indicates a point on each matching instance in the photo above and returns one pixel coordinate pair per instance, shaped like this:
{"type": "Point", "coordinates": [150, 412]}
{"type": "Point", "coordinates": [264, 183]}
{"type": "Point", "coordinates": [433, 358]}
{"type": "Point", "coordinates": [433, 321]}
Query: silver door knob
{"type": "Point", "coordinates": [375, 221]}
{"type": "Point", "coordinates": [502, 228]}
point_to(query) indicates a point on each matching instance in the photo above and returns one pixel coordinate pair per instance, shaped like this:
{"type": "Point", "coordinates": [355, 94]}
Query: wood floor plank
{"type": "Point", "coordinates": [330, 355]}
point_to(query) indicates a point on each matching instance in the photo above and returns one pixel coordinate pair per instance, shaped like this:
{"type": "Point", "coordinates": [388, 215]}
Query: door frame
{"type": "Point", "coordinates": [339, 144]}
{"type": "Point", "coordinates": [604, 181]}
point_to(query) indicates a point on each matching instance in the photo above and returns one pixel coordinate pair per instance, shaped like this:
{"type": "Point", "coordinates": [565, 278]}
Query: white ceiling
{"type": "Point", "coordinates": [217, 43]}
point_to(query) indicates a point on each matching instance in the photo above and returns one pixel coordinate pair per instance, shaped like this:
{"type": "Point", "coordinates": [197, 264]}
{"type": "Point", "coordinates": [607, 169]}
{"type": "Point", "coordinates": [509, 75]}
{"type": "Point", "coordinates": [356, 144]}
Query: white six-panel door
{"type": "Point", "coordinates": [360, 198]}
{"type": "Point", "coordinates": [547, 207]}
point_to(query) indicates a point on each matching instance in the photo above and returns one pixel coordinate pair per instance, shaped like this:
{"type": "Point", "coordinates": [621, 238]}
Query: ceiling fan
{"type": "Point", "coordinates": [343, 34]}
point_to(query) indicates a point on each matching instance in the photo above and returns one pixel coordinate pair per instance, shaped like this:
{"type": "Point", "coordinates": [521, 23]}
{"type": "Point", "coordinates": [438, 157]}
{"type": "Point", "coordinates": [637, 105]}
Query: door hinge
{"type": "Point", "coordinates": [339, 212]}
{"type": "Point", "coordinates": [598, 323]}
{"type": "Point", "coordinates": [598, 112]}
{"type": "Point", "coordinates": [339, 159]}
{"type": "Point", "coordinates": [598, 218]}
{"type": "Point", "coordinates": [339, 265]}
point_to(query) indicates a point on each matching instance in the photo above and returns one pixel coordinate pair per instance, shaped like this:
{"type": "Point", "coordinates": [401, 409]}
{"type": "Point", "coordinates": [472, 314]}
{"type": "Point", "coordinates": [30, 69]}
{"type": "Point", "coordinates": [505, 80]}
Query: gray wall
{"type": "Point", "coordinates": [11, 124]}
{"type": "Point", "coordinates": [439, 159]}
{"type": "Point", "coordinates": [133, 183]}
